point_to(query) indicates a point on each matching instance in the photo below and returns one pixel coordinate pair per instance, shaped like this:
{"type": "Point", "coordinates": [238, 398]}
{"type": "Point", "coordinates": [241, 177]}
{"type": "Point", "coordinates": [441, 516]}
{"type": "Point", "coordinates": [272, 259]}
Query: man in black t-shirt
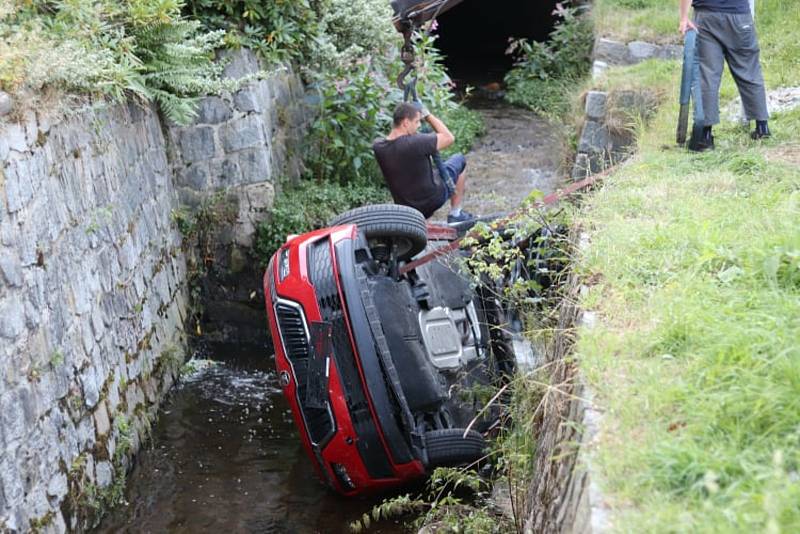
{"type": "Point", "coordinates": [404, 157]}
{"type": "Point", "coordinates": [726, 33]}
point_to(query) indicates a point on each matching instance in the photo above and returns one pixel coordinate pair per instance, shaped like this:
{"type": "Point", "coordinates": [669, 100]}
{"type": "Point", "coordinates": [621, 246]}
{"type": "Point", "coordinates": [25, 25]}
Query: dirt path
{"type": "Point", "coordinates": [520, 152]}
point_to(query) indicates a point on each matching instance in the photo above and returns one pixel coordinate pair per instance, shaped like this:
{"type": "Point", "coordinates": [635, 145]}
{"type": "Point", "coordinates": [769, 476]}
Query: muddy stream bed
{"type": "Point", "coordinates": [224, 454]}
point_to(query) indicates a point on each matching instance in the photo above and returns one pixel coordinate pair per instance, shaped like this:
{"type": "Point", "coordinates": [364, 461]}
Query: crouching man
{"type": "Point", "coordinates": [405, 158]}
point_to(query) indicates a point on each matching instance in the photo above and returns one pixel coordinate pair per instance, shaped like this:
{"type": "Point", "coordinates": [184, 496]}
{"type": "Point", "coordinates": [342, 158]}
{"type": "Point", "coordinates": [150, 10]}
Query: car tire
{"type": "Point", "coordinates": [402, 224]}
{"type": "Point", "coordinates": [449, 448]}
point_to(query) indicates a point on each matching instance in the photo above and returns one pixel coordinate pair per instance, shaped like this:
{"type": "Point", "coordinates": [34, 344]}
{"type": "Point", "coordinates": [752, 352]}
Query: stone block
{"type": "Point", "coordinates": [213, 110]}
{"type": "Point", "coordinates": [596, 104]}
{"type": "Point", "coordinates": [102, 424]}
{"type": "Point", "coordinates": [104, 474]}
{"type": "Point", "coordinates": [31, 128]}
{"type": "Point", "coordinates": [14, 135]}
{"type": "Point", "coordinates": [581, 168]}
{"type": "Point", "coordinates": [6, 104]}
{"type": "Point", "coordinates": [4, 151]}
{"type": "Point", "coordinates": [599, 68]}
{"type": "Point", "coordinates": [19, 190]}
{"type": "Point", "coordinates": [84, 433]}
{"type": "Point", "coordinates": [255, 166]}
{"type": "Point", "coordinates": [594, 138]}
{"type": "Point", "coordinates": [10, 269]}
{"type": "Point", "coordinates": [227, 172]}
{"type": "Point", "coordinates": [611, 52]}
{"type": "Point", "coordinates": [240, 63]}
{"type": "Point", "coordinates": [641, 51]}
{"type": "Point", "coordinates": [57, 487]}
{"type": "Point", "coordinates": [12, 317]}
{"type": "Point", "coordinates": [197, 143]}
{"type": "Point", "coordinates": [246, 132]}
{"type": "Point", "coordinates": [246, 100]}
{"type": "Point", "coordinates": [670, 52]}
{"type": "Point", "coordinates": [92, 383]}
{"type": "Point", "coordinates": [195, 176]}
{"type": "Point", "coordinates": [17, 414]}
{"type": "Point", "coordinates": [10, 482]}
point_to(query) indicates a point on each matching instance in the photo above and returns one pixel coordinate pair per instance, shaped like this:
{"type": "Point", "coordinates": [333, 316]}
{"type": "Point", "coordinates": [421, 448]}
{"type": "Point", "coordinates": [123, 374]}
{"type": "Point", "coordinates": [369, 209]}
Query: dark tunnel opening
{"type": "Point", "coordinates": [474, 36]}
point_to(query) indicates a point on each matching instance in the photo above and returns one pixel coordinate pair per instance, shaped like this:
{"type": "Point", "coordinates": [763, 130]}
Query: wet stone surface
{"type": "Point", "coordinates": [225, 457]}
{"type": "Point", "coordinates": [519, 153]}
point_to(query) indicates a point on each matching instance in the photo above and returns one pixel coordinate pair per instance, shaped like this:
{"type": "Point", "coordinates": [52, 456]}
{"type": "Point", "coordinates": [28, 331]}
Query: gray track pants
{"type": "Point", "coordinates": [730, 37]}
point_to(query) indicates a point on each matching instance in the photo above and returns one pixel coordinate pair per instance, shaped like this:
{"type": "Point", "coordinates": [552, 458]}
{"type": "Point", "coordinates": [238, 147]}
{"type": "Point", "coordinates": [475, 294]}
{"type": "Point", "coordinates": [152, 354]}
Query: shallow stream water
{"type": "Point", "coordinates": [225, 457]}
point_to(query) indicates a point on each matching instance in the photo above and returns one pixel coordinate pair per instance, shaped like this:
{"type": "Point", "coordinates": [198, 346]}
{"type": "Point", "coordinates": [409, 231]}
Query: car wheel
{"type": "Point", "coordinates": [402, 225]}
{"type": "Point", "coordinates": [449, 448]}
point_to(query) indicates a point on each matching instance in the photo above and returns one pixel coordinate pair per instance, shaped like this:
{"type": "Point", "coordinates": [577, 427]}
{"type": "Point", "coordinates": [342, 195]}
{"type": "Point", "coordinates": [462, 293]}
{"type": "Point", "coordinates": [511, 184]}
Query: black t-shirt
{"type": "Point", "coordinates": [724, 6]}
{"type": "Point", "coordinates": [406, 165]}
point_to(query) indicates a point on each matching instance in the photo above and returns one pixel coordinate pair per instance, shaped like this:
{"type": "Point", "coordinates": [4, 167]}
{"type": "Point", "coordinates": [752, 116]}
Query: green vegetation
{"type": "Point", "coordinates": [310, 205]}
{"type": "Point", "coordinates": [141, 48]}
{"type": "Point", "coordinates": [545, 73]}
{"type": "Point", "coordinates": [281, 30]}
{"type": "Point", "coordinates": [654, 21]}
{"type": "Point", "coordinates": [695, 266]}
{"type": "Point", "coordinates": [443, 505]}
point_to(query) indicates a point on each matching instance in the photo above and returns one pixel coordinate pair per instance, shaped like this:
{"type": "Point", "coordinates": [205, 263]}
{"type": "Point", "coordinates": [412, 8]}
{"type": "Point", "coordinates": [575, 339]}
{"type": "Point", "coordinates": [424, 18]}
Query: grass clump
{"type": "Point", "coordinates": [653, 21]}
{"type": "Point", "coordinates": [696, 359]}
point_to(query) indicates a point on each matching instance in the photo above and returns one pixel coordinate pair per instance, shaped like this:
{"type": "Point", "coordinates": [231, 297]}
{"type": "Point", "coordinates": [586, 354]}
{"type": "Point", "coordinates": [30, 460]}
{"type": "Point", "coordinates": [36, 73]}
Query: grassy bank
{"type": "Point", "coordinates": [695, 261]}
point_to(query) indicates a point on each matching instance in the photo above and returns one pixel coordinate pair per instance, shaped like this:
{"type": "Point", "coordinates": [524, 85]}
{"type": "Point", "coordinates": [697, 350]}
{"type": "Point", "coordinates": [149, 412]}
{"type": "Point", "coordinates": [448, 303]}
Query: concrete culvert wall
{"type": "Point", "coordinates": [475, 34]}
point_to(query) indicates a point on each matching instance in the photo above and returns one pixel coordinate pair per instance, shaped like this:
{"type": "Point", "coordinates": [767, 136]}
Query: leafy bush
{"type": "Point", "coordinates": [110, 49]}
{"type": "Point", "coordinates": [310, 205]}
{"type": "Point", "coordinates": [279, 29]}
{"type": "Point", "coordinates": [355, 108]}
{"type": "Point", "coordinates": [352, 30]}
{"type": "Point", "coordinates": [543, 70]}
{"type": "Point", "coordinates": [435, 89]}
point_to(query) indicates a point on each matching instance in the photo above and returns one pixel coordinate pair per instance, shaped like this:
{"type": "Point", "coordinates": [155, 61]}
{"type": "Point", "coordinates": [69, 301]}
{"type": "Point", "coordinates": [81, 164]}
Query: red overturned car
{"type": "Point", "coordinates": [380, 362]}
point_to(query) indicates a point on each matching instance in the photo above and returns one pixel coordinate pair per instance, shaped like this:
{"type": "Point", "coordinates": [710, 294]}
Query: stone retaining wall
{"type": "Point", "coordinates": [242, 144]}
{"type": "Point", "coordinates": [93, 278]}
{"type": "Point", "coordinates": [563, 497]}
{"type": "Point", "coordinates": [92, 303]}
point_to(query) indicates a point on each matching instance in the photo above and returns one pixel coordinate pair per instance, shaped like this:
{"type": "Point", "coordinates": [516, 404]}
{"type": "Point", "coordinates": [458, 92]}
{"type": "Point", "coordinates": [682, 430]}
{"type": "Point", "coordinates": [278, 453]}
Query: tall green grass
{"type": "Point", "coordinates": [696, 360]}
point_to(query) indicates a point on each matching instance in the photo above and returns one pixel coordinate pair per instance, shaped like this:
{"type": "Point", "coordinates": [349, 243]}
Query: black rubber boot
{"type": "Point", "coordinates": [761, 131]}
{"type": "Point", "coordinates": [701, 139]}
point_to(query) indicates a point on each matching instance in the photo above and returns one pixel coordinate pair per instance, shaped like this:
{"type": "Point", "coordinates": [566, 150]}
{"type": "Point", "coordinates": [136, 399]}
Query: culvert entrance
{"type": "Point", "coordinates": [475, 34]}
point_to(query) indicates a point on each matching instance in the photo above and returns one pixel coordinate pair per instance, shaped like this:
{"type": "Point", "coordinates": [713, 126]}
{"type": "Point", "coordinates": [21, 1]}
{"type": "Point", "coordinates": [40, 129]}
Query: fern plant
{"type": "Point", "coordinates": [111, 49]}
{"type": "Point", "coordinates": [176, 66]}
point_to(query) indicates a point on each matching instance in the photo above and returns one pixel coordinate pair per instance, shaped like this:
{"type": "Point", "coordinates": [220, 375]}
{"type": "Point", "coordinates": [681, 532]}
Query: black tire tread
{"type": "Point", "coordinates": [388, 220]}
{"type": "Point", "coordinates": [448, 447]}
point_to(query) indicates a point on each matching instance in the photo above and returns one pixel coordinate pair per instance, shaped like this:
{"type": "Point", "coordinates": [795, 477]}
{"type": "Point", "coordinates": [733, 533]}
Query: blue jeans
{"type": "Point", "coordinates": [452, 167]}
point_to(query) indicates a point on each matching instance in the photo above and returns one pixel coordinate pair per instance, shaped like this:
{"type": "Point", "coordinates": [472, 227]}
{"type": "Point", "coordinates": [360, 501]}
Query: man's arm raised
{"type": "Point", "coordinates": [443, 136]}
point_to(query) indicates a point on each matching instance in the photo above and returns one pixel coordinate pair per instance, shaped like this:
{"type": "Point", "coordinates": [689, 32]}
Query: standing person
{"type": "Point", "coordinates": [726, 33]}
{"type": "Point", "coordinates": [404, 157]}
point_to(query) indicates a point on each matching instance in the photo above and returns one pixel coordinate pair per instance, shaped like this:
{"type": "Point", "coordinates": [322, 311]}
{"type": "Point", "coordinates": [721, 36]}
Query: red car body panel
{"type": "Point", "coordinates": [341, 447]}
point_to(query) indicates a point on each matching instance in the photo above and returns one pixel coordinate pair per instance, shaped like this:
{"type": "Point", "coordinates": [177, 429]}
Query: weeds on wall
{"type": "Point", "coordinates": [546, 74]}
